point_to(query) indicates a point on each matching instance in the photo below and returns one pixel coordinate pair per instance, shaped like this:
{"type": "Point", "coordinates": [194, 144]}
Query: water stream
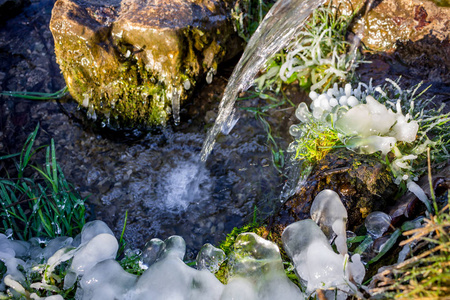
{"type": "Point", "coordinates": [279, 26]}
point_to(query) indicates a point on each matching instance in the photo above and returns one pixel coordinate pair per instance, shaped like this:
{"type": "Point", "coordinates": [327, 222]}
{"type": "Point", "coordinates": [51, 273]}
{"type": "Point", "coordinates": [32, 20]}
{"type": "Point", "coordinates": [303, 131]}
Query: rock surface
{"type": "Point", "coordinates": [388, 21]}
{"type": "Point", "coordinates": [129, 61]}
{"type": "Point", "coordinates": [362, 182]}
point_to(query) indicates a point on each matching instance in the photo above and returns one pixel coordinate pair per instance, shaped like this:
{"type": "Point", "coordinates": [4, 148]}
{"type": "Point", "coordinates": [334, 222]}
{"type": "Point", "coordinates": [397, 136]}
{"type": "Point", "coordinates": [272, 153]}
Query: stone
{"type": "Point", "coordinates": [389, 21]}
{"type": "Point", "coordinates": [130, 63]}
{"type": "Point", "coordinates": [363, 183]}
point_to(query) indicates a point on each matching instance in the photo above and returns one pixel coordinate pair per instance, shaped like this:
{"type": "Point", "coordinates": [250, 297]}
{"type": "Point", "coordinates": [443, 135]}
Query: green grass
{"type": "Point", "coordinates": [38, 96]}
{"type": "Point", "coordinates": [38, 201]}
{"type": "Point", "coordinates": [261, 113]}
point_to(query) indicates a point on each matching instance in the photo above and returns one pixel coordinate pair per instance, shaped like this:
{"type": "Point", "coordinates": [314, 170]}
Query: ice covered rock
{"type": "Point", "coordinates": [152, 251]}
{"type": "Point", "coordinates": [377, 223]}
{"type": "Point", "coordinates": [315, 261]}
{"type": "Point", "coordinates": [93, 228]}
{"type": "Point", "coordinates": [106, 280]}
{"type": "Point", "coordinates": [170, 278]}
{"type": "Point", "coordinates": [259, 262]}
{"type": "Point", "coordinates": [210, 258]}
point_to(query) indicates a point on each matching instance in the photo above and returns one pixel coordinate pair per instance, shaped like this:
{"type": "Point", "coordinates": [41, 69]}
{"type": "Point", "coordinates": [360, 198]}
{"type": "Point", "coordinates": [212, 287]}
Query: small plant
{"type": "Point", "coordinates": [318, 57]}
{"type": "Point", "coordinates": [39, 202]}
{"type": "Point", "coordinates": [261, 113]}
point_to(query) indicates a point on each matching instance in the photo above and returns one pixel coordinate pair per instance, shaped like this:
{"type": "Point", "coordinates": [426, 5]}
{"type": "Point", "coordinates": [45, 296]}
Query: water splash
{"type": "Point", "coordinates": [279, 26]}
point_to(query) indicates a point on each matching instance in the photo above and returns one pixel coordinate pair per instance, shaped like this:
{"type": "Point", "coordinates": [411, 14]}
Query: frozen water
{"type": "Point", "coordinates": [377, 223]}
{"type": "Point", "coordinates": [315, 261]}
{"type": "Point", "coordinates": [210, 258]}
{"type": "Point", "coordinates": [152, 250]}
{"type": "Point", "coordinates": [99, 248]}
{"type": "Point", "coordinates": [371, 144]}
{"type": "Point", "coordinates": [170, 278]}
{"type": "Point", "coordinates": [106, 280]}
{"type": "Point", "coordinates": [259, 261]}
{"type": "Point", "coordinates": [329, 213]}
{"type": "Point", "coordinates": [93, 228]}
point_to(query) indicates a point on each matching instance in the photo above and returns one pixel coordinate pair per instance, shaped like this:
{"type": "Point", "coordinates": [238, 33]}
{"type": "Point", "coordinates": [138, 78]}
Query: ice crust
{"type": "Point", "coordinates": [309, 248]}
{"type": "Point", "coordinates": [256, 269]}
{"type": "Point", "coordinates": [366, 125]}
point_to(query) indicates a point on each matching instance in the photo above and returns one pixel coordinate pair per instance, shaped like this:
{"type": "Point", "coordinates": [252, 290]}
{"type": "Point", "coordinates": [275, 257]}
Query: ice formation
{"type": "Point", "coordinates": [255, 266]}
{"type": "Point", "coordinates": [377, 223]}
{"type": "Point", "coordinates": [366, 125]}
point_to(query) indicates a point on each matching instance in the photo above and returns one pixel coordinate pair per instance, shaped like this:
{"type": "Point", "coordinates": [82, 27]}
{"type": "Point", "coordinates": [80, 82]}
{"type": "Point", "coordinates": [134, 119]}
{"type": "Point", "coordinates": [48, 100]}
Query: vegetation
{"type": "Point", "coordinates": [39, 201]}
{"type": "Point", "coordinates": [317, 58]}
{"type": "Point", "coordinates": [247, 14]}
{"type": "Point", "coordinates": [426, 274]}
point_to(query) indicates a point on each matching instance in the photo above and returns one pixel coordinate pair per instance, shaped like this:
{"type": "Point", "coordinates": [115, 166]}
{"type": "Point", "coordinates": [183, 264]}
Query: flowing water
{"type": "Point", "coordinates": [279, 26]}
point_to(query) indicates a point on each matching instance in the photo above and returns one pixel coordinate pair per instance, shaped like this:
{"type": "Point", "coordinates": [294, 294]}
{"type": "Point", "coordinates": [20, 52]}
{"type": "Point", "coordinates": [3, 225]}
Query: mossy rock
{"type": "Point", "coordinates": [363, 183]}
{"type": "Point", "coordinates": [128, 61]}
{"type": "Point", "coordinates": [389, 21]}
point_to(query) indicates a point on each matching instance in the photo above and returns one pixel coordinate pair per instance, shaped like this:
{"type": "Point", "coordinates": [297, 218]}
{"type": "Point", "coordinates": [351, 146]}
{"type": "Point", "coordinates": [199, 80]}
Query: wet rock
{"type": "Point", "coordinates": [389, 21]}
{"type": "Point", "coordinates": [362, 182]}
{"type": "Point", "coordinates": [132, 62]}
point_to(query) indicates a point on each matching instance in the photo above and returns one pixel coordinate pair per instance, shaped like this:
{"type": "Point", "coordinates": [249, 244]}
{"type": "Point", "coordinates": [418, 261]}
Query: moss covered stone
{"type": "Point", "coordinates": [363, 183]}
{"type": "Point", "coordinates": [128, 61]}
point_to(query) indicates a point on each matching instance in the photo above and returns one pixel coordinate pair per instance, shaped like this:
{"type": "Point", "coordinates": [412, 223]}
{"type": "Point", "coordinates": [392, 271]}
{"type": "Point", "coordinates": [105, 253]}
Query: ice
{"type": "Point", "coordinates": [259, 261]}
{"type": "Point", "coordinates": [403, 130]}
{"type": "Point", "coordinates": [210, 258]}
{"type": "Point", "coordinates": [170, 278]}
{"type": "Point", "coordinates": [315, 261]}
{"type": "Point", "coordinates": [365, 120]}
{"type": "Point", "coordinates": [9, 249]}
{"type": "Point", "coordinates": [239, 289]}
{"type": "Point", "coordinates": [302, 112]}
{"type": "Point", "coordinates": [371, 144]}
{"type": "Point", "coordinates": [377, 223]}
{"type": "Point", "coordinates": [152, 251]}
{"type": "Point", "coordinates": [106, 280]}
{"type": "Point", "coordinates": [93, 228]}
{"type": "Point", "coordinates": [56, 244]}
{"type": "Point", "coordinates": [330, 214]}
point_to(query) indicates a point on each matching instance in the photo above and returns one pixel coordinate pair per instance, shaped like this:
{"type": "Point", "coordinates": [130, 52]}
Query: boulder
{"type": "Point", "coordinates": [388, 21]}
{"type": "Point", "coordinates": [130, 63]}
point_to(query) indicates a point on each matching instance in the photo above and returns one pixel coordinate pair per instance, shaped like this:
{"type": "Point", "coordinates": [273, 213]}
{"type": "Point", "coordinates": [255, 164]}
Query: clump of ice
{"type": "Point", "coordinates": [366, 125]}
{"type": "Point", "coordinates": [377, 223]}
{"type": "Point", "coordinates": [257, 269]}
{"type": "Point", "coordinates": [330, 214]}
{"type": "Point", "coordinates": [309, 248]}
{"type": "Point", "coordinates": [210, 258]}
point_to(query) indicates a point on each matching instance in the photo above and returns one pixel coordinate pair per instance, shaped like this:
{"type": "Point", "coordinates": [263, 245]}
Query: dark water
{"type": "Point", "coordinates": [157, 176]}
